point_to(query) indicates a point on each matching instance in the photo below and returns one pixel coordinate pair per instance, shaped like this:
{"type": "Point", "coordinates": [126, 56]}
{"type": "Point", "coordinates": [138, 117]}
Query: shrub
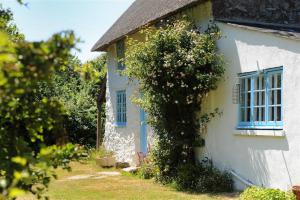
{"type": "Point", "coordinates": [147, 170]}
{"type": "Point", "coordinates": [100, 153]}
{"type": "Point", "coordinates": [213, 180]}
{"type": "Point", "coordinates": [258, 193]}
{"type": "Point", "coordinates": [187, 177]}
{"type": "Point", "coordinates": [203, 178]}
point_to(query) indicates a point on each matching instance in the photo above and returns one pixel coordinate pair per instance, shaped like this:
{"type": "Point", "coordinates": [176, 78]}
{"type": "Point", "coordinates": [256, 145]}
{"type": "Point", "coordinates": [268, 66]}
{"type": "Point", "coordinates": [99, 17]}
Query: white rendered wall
{"type": "Point", "coordinates": [123, 141]}
{"type": "Point", "coordinates": [266, 158]}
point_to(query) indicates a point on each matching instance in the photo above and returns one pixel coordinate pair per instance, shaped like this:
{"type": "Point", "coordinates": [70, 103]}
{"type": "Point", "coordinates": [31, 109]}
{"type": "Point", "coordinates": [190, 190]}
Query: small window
{"type": "Point", "coordinates": [120, 46]}
{"type": "Point", "coordinates": [121, 108]}
{"type": "Point", "coordinates": [261, 100]}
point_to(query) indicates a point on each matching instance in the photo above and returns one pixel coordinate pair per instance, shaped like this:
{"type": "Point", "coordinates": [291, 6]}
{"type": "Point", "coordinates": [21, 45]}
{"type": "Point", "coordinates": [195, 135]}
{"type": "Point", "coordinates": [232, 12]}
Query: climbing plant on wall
{"type": "Point", "coordinates": [176, 66]}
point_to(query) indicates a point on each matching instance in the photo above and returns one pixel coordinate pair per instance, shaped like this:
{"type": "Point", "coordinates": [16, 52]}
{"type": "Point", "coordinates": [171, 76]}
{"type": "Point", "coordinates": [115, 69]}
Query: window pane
{"type": "Point", "coordinates": [124, 107]}
{"type": "Point", "coordinates": [272, 81]}
{"type": "Point", "coordinates": [256, 114]}
{"type": "Point", "coordinates": [243, 85]}
{"type": "Point", "coordinates": [120, 46]}
{"type": "Point", "coordinates": [278, 117]}
{"type": "Point", "coordinates": [271, 113]}
{"type": "Point", "coordinates": [249, 84]}
{"type": "Point", "coordinates": [259, 114]}
{"type": "Point", "coordinates": [275, 95]}
{"type": "Point", "coordinates": [278, 97]}
{"type": "Point", "coordinates": [243, 99]}
{"type": "Point", "coordinates": [248, 114]}
{"type": "Point", "coordinates": [248, 101]}
{"type": "Point", "coordinates": [262, 113]}
{"type": "Point", "coordinates": [271, 97]}
{"type": "Point", "coordinates": [120, 49]}
{"type": "Point", "coordinates": [256, 98]}
{"type": "Point", "coordinates": [242, 114]}
{"type": "Point", "coordinates": [121, 106]}
{"type": "Point", "coordinates": [259, 98]}
{"type": "Point", "coordinates": [257, 83]}
{"type": "Point", "coordinates": [278, 80]}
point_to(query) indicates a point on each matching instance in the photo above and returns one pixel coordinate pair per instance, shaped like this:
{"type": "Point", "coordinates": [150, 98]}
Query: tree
{"type": "Point", "coordinates": [7, 25]}
{"type": "Point", "coordinates": [26, 116]}
{"type": "Point", "coordinates": [94, 72]}
{"type": "Point", "coordinates": [78, 87]}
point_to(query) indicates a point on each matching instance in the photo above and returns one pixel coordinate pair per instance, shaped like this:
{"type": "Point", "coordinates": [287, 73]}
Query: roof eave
{"type": "Point", "coordinates": [95, 48]}
{"type": "Point", "coordinates": [106, 45]}
{"type": "Point", "coordinates": [262, 25]}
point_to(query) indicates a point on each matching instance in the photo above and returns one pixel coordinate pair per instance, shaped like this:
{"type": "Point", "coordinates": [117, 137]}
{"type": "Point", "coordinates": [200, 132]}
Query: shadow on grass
{"type": "Point", "coordinates": [224, 195]}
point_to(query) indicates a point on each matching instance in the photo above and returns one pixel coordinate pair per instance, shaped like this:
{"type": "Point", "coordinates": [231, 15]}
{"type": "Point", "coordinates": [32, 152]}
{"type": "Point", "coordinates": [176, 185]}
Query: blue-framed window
{"type": "Point", "coordinates": [121, 108]}
{"type": "Point", "coordinates": [261, 100]}
{"type": "Point", "coordinates": [120, 48]}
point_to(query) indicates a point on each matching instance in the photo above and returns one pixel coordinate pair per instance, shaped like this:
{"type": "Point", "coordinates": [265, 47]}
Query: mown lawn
{"type": "Point", "coordinates": [113, 187]}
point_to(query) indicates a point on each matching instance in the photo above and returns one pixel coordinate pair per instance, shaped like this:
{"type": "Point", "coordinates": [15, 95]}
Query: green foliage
{"type": "Point", "coordinates": [27, 117]}
{"type": "Point", "coordinates": [82, 114]}
{"type": "Point", "coordinates": [148, 169]}
{"type": "Point", "coordinates": [187, 177]}
{"type": "Point", "coordinates": [202, 178]}
{"type": "Point", "coordinates": [76, 87]}
{"type": "Point", "coordinates": [7, 26]}
{"type": "Point", "coordinates": [93, 77]}
{"type": "Point", "coordinates": [213, 180]}
{"type": "Point", "coordinates": [41, 169]}
{"type": "Point", "coordinates": [100, 153]}
{"type": "Point", "coordinates": [176, 66]}
{"type": "Point", "coordinates": [94, 71]}
{"type": "Point", "coordinates": [258, 193]}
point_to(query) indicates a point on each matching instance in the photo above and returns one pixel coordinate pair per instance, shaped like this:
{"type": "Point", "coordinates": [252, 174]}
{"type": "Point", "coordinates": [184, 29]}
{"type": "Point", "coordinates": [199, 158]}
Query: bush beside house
{"type": "Point", "coordinates": [257, 193]}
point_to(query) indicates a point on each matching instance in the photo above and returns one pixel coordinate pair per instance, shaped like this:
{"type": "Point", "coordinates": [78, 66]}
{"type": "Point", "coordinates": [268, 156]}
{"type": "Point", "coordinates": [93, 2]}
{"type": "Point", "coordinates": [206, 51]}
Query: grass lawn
{"type": "Point", "coordinates": [113, 187]}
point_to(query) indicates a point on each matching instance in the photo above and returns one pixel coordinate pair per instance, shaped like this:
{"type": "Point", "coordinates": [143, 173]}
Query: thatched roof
{"type": "Point", "coordinates": [140, 13]}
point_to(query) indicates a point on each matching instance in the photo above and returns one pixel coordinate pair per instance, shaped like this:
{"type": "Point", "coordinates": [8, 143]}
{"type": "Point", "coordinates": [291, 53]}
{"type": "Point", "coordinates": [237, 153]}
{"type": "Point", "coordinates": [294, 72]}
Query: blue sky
{"type": "Point", "coordinates": [88, 18]}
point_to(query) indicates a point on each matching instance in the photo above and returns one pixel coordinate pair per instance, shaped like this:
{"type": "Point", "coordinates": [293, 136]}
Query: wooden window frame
{"type": "Point", "coordinates": [121, 108]}
{"type": "Point", "coordinates": [266, 123]}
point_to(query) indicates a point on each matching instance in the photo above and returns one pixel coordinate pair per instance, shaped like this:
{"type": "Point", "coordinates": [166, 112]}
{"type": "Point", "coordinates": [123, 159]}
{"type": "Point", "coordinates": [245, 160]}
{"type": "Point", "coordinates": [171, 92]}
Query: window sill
{"type": "Point", "coordinates": [268, 132]}
{"type": "Point", "coordinates": [120, 124]}
{"type": "Point", "coordinates": [259, 127]}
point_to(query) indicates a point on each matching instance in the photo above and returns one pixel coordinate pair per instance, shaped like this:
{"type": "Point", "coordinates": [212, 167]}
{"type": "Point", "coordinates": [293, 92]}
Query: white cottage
{"type": "Point", "coordinates": [258, 139]}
